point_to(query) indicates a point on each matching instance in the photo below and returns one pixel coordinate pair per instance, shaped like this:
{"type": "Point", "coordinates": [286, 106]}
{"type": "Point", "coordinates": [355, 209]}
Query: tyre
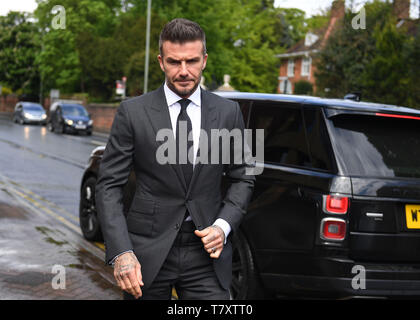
{"type": "Point", "coordinates": [61, 129]}
{"type": "Point", "coordinates": [245, 281]}
{"type": "Point", "coordinates": [88, 218]}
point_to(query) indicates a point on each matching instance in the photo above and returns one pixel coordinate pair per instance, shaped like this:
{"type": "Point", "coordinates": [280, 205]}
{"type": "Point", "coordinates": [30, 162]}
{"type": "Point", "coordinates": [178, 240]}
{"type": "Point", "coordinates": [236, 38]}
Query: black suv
{"type": "Point", "coordinates": [336, 211]}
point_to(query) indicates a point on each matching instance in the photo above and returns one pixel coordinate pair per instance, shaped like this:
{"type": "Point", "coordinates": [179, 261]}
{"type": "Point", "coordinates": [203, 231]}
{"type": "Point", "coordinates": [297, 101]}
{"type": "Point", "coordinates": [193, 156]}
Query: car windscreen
{"type": "Point", "coordinates": [32, 107]}
{"type": "Point", "coordinates": [74, 111]}
{"type": "Point", "coordinates": [377, 146]}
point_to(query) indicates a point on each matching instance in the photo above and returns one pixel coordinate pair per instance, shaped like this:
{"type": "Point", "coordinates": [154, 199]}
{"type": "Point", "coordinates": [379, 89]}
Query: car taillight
{"type": "Point", "coordinates": [333, 229]}
{"type": "Point", "coordinates": [397, 116]}
{"type": "Point", "coordinates": [336, 204]}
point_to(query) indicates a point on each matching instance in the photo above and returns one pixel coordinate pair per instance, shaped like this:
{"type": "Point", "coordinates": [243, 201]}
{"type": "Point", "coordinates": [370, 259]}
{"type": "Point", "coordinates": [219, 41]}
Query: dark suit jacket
{"type": "Point", "coordinates": [161, 196]}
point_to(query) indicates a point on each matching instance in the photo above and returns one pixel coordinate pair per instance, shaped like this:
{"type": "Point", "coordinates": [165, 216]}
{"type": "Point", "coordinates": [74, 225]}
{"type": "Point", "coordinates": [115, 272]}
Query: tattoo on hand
{"type": "Point", "coordinates": [125, 263]}
{"type": "Point", "coordinates": [220, 231]}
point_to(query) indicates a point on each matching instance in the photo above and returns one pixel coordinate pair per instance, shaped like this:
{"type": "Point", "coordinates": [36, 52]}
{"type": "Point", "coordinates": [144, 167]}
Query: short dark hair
{"type": "Point", "coordinates": [181, 30]}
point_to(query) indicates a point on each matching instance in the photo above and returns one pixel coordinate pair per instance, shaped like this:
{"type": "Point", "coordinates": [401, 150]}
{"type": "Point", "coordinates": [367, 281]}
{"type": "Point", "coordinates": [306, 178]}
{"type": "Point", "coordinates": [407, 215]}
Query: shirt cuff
{"type": "Point", "coordinates": [224, 226]}
{"type": "Point", "coordinates": [113, 260]}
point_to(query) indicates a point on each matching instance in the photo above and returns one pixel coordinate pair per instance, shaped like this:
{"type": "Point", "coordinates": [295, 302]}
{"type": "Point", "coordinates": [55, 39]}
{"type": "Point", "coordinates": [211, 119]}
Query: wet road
{"type": "Point", "coordinates": [48, 164]}
{"type": "Point", "coordinates": [40, 174]}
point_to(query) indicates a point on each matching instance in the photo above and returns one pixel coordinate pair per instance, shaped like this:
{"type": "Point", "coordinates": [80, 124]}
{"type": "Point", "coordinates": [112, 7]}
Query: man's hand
{"type": "Point", "coordinates": [213, 239]}
{"type": "Point", "coordinates": [128, 275]}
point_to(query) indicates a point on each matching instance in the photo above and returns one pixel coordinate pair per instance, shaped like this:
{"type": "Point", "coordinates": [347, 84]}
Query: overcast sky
{"type": "Point", "coordinates": [309, 6]}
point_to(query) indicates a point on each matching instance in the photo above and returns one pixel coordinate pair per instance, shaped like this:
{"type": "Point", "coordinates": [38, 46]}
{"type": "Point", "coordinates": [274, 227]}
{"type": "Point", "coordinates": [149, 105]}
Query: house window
{"type": "Point", "coordinates": [291, 68]}
{"type": "Point", "coordinates": [285, 86]}
{"type": "Point", "coordinates": [306, 66]}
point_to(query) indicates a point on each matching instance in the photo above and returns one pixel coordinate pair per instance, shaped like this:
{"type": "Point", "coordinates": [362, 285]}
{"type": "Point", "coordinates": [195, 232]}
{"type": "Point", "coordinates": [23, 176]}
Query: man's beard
{"type": "Point", "coordinates": [186, 92]}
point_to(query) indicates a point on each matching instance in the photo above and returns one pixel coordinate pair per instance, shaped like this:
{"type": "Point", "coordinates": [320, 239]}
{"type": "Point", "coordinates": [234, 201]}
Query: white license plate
{"type": "Point", "coordinates": [80, 126]}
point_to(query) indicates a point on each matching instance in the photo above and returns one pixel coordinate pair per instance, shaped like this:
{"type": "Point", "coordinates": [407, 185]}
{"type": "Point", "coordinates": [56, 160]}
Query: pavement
{"type": "Point", "coordinates": [43, 255]}
{"type": "Point", "coordinates": [41, 258]}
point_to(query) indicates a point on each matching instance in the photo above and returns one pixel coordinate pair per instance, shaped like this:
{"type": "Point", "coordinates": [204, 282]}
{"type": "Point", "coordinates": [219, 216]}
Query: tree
{"type": "Point", "coordinates": [377, 61]}
{"type": "Point", "coordinates": [131, 32]}
{"type": "Point", "coordinates": [60, 59]}
{"type": "Point", "coordinates": [254, 64]}
{"type": "Point", "coordinates": [341, 62]}
{"type": "Point", "coordinates": [242, 39]}
{"type": "Point", "coordinates": [293, 26]}
{"type": "Point", "coordinates": [412, 58]}
{"type": "Point", "coordinates": [18, 50]}
{"type": "Point", "coordinates": [385, 78]}
{"type": "Point", "coordinates": [105, 40]}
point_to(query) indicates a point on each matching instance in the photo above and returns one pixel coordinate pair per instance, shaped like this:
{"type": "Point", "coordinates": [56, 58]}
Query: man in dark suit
{"type": "Point", "coordinates": [176, 233]}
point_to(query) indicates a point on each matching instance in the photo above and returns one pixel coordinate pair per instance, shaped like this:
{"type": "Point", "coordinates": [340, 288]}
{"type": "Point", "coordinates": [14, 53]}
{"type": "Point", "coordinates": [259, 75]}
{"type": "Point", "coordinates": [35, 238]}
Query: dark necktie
{"type": "Point", "coordinates": [187, 168]}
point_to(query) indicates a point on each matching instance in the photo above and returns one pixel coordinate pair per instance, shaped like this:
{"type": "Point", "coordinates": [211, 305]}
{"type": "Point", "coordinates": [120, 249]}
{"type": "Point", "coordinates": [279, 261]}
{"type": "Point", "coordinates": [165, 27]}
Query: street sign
{"type": "Point", "coordinates": [120, 87]}
{"type": "Point", "coordinates": [54, 94]}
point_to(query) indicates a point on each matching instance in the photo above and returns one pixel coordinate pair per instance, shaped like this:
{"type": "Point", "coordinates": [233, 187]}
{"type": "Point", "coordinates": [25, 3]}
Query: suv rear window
{"type": "Point", "coordinates": [378, 146]}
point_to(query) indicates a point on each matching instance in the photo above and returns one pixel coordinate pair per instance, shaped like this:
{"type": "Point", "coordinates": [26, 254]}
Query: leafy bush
{"type": "Point", "coordinates": [5, 91]}
{"type": "Point", "coordinates": [303, 87]}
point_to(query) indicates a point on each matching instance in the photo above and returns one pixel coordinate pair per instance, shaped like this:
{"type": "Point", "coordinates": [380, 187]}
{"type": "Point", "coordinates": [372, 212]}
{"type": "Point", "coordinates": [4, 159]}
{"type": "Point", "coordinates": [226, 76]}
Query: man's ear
{"type": "Point", "coordinates": [205, 61]}
{"type": "Point", "coordinates": [160, 58]}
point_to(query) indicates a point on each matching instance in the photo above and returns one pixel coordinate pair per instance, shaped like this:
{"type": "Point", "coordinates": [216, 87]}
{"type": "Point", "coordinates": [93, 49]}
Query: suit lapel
{"type": "Point", "coordinates": [160, 119]}
{"type": "Point", "coordinates": [208, 122]}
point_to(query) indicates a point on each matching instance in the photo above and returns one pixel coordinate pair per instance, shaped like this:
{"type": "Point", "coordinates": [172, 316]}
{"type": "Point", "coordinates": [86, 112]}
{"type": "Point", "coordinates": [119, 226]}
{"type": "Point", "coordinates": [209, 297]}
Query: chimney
{"type": "Point", "coordinates": [401, 9]}
{"type": "Point", "coordinates": [338, 9]}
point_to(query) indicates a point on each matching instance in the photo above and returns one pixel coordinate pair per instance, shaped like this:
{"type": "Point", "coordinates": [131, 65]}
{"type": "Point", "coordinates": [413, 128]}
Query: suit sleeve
{"type": "Point", "coordinates": [114, 171]}
{"type": "Point", "coordinates": [239, 193]}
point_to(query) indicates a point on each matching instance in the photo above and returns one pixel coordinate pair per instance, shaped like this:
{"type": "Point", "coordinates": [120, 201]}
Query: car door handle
{"type": "Point", "coordinates": [300, 192]}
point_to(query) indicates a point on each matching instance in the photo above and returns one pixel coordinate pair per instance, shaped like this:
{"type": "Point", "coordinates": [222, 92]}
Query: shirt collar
{"type": "Point", "coordinates": [172, 97]}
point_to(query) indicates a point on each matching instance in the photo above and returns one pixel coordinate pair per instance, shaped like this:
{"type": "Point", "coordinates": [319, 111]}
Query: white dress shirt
{"type": "Point", "coordinates": [193, 111]}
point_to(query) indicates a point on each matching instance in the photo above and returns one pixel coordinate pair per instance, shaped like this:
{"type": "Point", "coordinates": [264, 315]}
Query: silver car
{"type": "Point", "coordinates": [29, 112]}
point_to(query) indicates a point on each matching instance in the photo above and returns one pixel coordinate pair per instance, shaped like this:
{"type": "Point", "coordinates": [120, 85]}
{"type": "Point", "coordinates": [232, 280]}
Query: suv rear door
{"type": "Point", "coordinates": [381, 154]}
{"type": "Point", "coordinates": [279, 218]}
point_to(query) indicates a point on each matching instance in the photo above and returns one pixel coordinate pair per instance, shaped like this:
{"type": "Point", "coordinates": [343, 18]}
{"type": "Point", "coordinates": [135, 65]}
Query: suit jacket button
{"type": "Point", "coordinates": [177, 226]}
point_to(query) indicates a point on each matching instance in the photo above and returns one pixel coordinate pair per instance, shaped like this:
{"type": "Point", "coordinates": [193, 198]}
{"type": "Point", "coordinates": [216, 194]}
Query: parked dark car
{"type": "Point", "coordinates": [29, 112]}
{"type": "Point", "coordinates": [69, 118]}
{"type": "Point", "coordinates": [336, 211]}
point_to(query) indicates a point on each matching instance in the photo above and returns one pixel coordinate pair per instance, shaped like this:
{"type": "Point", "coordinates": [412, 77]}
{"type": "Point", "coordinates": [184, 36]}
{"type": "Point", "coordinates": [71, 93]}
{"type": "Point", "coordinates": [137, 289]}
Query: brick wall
{"type": "Point", "coordinates": [7, 103]}
{"type": "Point", "coordinates": [102, 116]}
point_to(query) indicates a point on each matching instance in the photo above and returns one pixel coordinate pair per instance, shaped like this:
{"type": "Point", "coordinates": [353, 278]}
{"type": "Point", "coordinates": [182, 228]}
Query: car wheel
{"type": "Point", "coordinates": [88, 218]}
{"type": "Point", "coordinates": [50, 127]}
{"type": "Point", "coordinates": [245, 280]}
{"type": "Point", "coordinates": [60, 129]}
